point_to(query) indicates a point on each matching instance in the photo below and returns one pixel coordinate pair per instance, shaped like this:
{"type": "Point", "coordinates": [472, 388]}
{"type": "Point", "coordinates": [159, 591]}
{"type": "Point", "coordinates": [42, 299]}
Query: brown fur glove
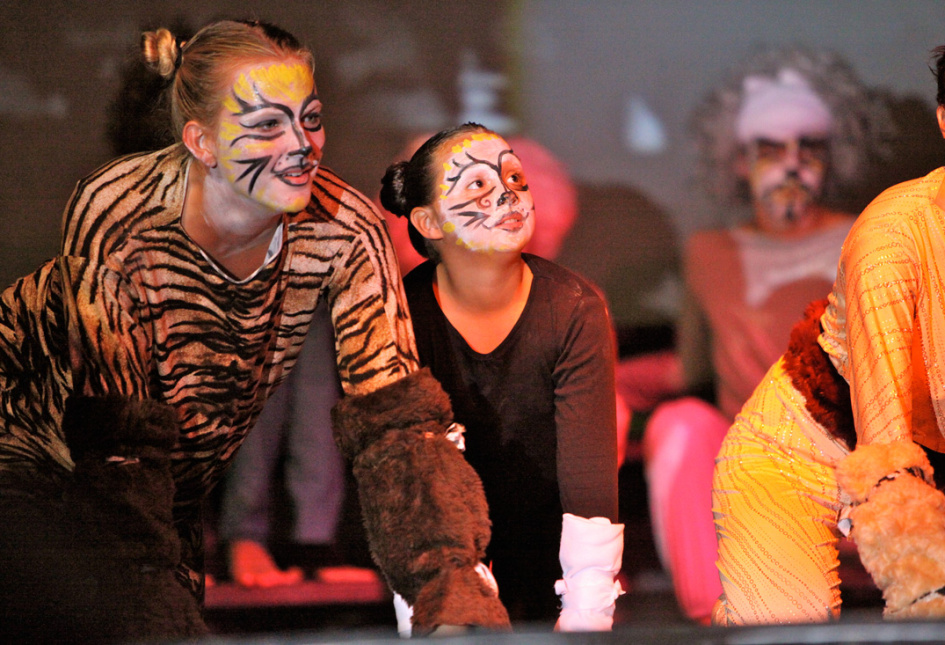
{"type": "Point", "coordinates": [423, 505]}
{"type": "Point", "coordinates": [898, 525]}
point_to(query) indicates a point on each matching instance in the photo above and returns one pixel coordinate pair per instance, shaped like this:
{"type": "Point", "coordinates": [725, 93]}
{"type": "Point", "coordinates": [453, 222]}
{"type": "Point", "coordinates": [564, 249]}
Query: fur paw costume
{"type": "Point", "coordinates": [898, 525]}
{"type": "Point", "coordinates": [424, 508]}
{"type": "Point", "coordinates": [95, 562]}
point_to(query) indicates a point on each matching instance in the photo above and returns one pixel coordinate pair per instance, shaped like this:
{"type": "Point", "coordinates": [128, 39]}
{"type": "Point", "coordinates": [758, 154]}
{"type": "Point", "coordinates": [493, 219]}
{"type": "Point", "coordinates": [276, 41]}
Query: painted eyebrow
{"type": "Point", "coordinates": [764, 141]}
{"type": "Point", "coordinates": [474, 162]}
{"type": "Point", "coordinates": [519, 168]}
{"type": "Point", "coordinates": [813, 141]}
{"type": "Point", "coordinates": [248, 108]}
{"type": "Point", "coordinates": [309, 100]}
{"type": "Point", "coordinates": [502, 155]}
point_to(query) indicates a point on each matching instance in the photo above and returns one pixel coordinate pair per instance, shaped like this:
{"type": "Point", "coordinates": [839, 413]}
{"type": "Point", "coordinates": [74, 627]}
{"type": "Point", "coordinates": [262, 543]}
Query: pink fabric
{"type": "Point", "coordinates": [680, 443]}
{"type": "Point", "coordinates": [745, 336]}
{"type": "Point", "coordinates": [647, 380]}
{"type": "Point", "coordinates": [747, 340]}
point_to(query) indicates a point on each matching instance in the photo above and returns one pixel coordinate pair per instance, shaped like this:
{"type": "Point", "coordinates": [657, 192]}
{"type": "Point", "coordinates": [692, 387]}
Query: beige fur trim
{"type": "Point", "coordinates": [866, 466]}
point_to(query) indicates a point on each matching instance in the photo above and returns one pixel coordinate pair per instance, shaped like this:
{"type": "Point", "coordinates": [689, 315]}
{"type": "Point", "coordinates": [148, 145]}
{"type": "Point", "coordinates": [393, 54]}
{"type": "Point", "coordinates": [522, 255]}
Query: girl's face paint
{"type": "Point", "coordinates": [484, 203]}
{"type": "Point", "coordinates": [786, 177]}
{"type": "Point", "coordinates": [270, 138]}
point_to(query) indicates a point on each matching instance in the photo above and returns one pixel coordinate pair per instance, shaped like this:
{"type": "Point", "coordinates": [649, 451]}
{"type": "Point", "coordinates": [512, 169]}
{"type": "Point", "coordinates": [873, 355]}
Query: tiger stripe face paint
{"type": "Point", "coordinates": [484, 203]}
{"type": "Point", "coordinates": [270, 137]}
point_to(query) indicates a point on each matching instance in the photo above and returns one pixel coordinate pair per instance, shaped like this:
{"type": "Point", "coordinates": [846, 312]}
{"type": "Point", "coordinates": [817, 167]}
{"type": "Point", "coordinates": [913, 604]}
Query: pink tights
{"type": "Point", "coordinates": [680, 443]}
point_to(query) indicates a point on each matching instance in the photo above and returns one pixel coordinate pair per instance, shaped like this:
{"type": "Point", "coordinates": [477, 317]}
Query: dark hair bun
{"type": "Point", "coordinates": [393, 190]}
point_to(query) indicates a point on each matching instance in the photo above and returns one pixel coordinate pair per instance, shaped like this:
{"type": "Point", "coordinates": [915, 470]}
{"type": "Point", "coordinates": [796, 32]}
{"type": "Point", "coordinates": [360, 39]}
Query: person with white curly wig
{"type": "Point", "coordinates": [784, 136]}
{"type": "Point", "coordinates": [842, 433]}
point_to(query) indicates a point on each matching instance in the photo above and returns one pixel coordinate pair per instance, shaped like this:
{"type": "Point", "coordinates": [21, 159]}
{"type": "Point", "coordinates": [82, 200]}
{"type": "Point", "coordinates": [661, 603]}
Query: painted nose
{"type": "Point", "coordinates": [305, 146]}
{"type": "Point", "coordinates": [507, 197]}
{"type": "Point", "coordinates": [793, 158]}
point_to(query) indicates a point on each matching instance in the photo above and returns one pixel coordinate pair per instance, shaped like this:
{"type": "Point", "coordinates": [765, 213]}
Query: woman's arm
{"type": "Point", "coordinates": [373, 333]}
{"type": "Point", "coordinates": [64, 329]}
{"type": "Point", "coordinates": [591, 548]}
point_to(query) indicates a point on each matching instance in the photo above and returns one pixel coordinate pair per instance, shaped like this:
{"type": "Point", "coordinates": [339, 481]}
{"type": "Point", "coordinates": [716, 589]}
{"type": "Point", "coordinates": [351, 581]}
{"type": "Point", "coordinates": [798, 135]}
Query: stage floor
{"type": "Point", "coordinates": [648, 609]}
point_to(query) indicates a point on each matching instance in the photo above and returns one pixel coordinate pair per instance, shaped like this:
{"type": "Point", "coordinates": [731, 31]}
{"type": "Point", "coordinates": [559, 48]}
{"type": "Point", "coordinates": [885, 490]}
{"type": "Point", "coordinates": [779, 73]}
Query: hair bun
{"type": "Point", "coordinates": [393, 192]}
{"type": "Point", "coordinates": [161, 51]}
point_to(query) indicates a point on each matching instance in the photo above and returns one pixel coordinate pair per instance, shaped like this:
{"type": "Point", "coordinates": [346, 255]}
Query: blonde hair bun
{"type": "Point", "coordinates": [161, 51]}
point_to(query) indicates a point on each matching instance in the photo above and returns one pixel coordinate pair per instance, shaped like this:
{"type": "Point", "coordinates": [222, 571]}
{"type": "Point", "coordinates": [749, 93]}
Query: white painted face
{"type": "Point", "coordinates": [484, 204]}
{"type": "Point", "coordinates": [270, 137]}
{"type": "Point", "coordinates": [786, 176]}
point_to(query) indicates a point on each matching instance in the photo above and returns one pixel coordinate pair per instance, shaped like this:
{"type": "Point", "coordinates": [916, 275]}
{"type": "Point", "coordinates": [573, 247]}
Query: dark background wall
{"type": "Point", "coordinates": [587, 80]}
{"type": "Point", "coordinates": [383, 68]}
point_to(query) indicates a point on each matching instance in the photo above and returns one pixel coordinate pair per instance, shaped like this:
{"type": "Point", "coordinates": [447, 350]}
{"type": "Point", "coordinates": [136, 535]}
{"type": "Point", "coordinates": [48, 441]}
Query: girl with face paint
{"type": "Point", "coordinates": [525, 350]}
{"type": "Point", "coordinates": [256, 161]}
{"type": "Point", "coordinates": [187, 280]}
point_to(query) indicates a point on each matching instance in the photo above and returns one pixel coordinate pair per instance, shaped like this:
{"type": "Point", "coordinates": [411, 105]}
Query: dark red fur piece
{"type": "Point", "coordinates": [826, 393]}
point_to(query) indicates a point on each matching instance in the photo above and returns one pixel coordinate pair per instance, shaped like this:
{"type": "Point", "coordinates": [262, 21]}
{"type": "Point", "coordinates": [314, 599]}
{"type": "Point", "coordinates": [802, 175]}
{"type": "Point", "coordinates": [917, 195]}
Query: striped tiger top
{"type": "Point", "coordinates": [133, 306]}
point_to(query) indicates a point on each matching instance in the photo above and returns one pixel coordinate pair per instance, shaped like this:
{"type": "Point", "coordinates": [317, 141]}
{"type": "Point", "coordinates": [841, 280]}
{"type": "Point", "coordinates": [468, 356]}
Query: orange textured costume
{"type": "Point", "coordinates": [776, 499]}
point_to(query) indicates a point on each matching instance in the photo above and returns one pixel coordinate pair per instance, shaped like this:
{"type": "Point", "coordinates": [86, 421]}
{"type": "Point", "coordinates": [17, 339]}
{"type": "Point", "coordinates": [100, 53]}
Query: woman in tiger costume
{"type": "Point", "coordinates": [189, 276]}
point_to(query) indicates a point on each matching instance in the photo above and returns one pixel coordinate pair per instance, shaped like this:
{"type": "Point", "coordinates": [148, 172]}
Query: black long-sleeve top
{"type": "Point", "coordinates": [540, 420]}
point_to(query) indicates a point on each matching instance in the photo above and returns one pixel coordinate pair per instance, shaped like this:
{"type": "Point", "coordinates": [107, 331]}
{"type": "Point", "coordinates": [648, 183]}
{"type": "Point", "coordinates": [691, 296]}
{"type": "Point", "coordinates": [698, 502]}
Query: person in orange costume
{"type": "Point", "coordinates": [847, 425]}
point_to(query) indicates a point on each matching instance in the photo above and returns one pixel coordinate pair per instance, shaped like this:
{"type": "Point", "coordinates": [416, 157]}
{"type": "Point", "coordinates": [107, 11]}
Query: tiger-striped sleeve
{"type": "Point", "coordinates": [67, 322]}
{"type": "Point", "coordinates": [373, 332]}
{"type": "Point", "coordinates": [34, 375]}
